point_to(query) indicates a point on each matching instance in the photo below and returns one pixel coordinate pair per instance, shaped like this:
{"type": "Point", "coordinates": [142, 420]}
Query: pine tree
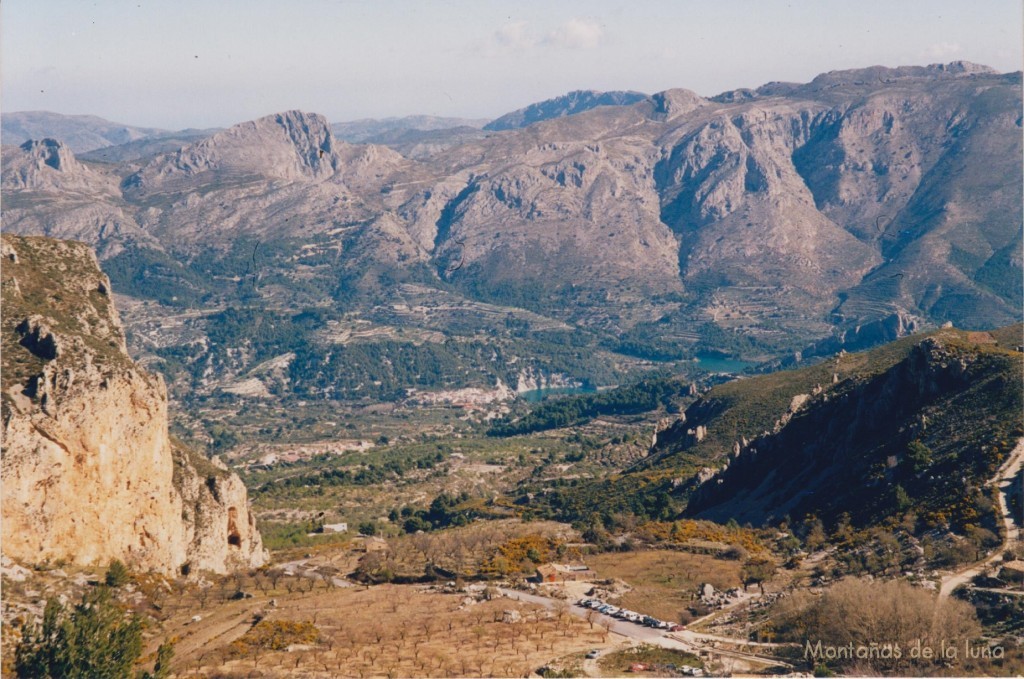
{"type": "Point", "coordinates": [93, 639]}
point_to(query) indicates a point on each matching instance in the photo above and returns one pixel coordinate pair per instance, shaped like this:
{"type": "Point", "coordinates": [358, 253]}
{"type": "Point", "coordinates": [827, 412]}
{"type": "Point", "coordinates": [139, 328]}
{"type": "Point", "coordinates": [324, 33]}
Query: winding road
{"type": "Point", "coordinates": [1004, 480]}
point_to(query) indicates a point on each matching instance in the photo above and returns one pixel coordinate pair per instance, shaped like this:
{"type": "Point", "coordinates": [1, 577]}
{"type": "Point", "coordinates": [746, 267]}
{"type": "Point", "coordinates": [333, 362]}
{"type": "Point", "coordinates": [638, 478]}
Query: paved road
{"type": "Point", "coordinates": [620, 627]}
{"type": "Point", "coordinates": [686, 640]}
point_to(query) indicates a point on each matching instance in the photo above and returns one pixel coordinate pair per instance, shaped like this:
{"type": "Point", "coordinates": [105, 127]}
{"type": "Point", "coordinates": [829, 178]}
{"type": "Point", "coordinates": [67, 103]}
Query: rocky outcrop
{"type": "Point", "coordinates": [864, 336]}
{"type": "Point", "coordinates": [532, 379]}
{"type": "Point", "coordinates": [46, 165]}
{"type": "Point", "coordinates": [89, 471]}
{"type": "Point", "coordinates": [76, 202]}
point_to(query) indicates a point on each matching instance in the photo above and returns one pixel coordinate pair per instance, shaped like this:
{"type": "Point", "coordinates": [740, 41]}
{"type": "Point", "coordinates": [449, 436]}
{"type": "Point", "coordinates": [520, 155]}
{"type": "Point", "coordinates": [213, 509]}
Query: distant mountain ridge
{"type": "Point", "coordinates": [574, 102]}
{"type": "Point", "coordinates": [371, 129]}
{"type": "Point", "coordinates": [80, 133]}
{"type": "Point", "coordinates": [788, 216]}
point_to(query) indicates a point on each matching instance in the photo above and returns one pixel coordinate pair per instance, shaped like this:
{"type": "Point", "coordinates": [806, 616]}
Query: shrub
{"type": "Point", "coordinates": [94, 639]}
{"type": "Point", "coordinates": [861, 613]}
{"type": "Point", "coordinates": [117, 574]}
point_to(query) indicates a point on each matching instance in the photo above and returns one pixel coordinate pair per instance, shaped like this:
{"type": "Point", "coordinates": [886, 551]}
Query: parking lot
{"type": "Point", "coordinates": [629, 616]}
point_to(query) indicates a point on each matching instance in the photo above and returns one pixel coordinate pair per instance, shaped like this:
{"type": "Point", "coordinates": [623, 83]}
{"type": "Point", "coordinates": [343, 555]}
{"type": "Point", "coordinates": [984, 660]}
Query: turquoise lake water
{"type": "Point", "coordinates": [717, 364]}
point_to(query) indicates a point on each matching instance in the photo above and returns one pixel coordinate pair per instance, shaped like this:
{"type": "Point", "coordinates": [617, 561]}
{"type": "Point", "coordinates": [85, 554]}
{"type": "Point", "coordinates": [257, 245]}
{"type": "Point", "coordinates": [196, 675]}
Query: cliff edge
{"type": "Point", "coordinates": [89, 472]}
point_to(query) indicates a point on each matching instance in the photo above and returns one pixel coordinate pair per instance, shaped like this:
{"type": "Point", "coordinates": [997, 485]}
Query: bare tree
{"type": "Point", "coordinates": [860, 612]}
{"type": "Point", "coordinates": [606, 627]}
{"type": "Point", "coordinates": [203, 595]}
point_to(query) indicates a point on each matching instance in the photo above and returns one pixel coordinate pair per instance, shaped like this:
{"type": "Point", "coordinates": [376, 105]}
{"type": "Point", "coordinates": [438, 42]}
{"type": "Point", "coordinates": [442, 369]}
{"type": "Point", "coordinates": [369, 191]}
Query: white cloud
{"type": "Point", "coordinates": [942, 50]}
{"type": "Point", "coordinates": [575, 34]}
{"type": "Point", "coordinates": [515, 35]}
{"type": "Point", "coordinates": [585, 34]}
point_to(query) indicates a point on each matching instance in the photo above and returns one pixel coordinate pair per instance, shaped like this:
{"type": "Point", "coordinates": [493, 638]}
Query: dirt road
{"type": "Point", "coordinates": [1004, 479]}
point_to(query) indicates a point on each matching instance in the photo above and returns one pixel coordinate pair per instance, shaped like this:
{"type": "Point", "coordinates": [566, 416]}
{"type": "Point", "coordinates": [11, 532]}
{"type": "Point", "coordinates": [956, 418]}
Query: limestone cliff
{"type": "Point", "coordinates": [89, 472]}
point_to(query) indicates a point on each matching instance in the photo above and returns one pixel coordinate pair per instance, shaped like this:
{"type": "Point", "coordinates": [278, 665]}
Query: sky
{"type": "Point", "coordinates": [200, 63]}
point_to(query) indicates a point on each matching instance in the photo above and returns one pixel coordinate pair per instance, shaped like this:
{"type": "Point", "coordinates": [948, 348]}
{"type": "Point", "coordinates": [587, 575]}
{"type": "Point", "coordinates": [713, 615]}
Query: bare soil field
{"type": "Point", "coordinates": [664, 582]}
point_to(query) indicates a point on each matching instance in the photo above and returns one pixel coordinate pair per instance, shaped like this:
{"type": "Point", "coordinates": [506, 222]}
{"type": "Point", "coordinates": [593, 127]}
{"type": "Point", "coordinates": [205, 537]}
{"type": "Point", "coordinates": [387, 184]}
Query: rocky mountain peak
{"type": "Point", "coordinates": [42, 164]}
{"type": "Point", "coordinates": [289, 146]}
{"type": "Point", "coordinates": [674, 102]}
{"type": "Point", "coordinates": [51, 152]}
{"type": "Point", "coordinates": [959, 67]}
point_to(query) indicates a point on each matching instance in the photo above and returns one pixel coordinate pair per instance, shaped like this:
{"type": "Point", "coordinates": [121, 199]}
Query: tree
{"type": "Point", "coordinates": [981, 539]}
{"type": "Point", "coordinates": [368, 528]}
{"type": "Point", "coordinates": [117, 574]}
{"type": "Point", "coordinates": [815, 537]}
{"type": "Point", "coordinates": [756, 572]}
{"type": "Point", "coordinates": [96, 638]}
{"type": "Point", "coordinates": [917, 458]}
{"type": "Point", "coordinates": [606, 627]}
{"type": "Point", "coordinates": [162, 667]}
{"type": "Point", "coordinates": [901, 498]}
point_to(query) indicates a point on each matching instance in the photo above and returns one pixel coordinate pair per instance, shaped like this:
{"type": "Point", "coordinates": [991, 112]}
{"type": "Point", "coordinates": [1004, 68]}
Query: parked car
{"type": "Point", "coordinates": [677, 628]}
{"type": "Point", "coordinates": [593, 654]}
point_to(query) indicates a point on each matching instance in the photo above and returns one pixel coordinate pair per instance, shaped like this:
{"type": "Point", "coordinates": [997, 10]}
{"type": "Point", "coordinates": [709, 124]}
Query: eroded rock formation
{"type": "Point", "coordinates": [89, 471]}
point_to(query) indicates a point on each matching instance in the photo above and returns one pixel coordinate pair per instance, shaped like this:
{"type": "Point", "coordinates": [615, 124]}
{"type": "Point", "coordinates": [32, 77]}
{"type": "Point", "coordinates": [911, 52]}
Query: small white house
{"type": "Point", "coordinates": [335, 527]}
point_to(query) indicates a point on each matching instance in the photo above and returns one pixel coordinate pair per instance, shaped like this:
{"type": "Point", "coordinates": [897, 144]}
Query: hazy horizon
{"type": "Point", "coordinates": [189, 65]}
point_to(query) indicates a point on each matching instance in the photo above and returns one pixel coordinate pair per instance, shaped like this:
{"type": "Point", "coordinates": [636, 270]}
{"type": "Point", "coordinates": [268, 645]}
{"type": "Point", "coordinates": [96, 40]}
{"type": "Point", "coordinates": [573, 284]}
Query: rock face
{"type": "Point", "coordinates": [89, 471]}
{"type": "Point", "coordinates": [47, 164]}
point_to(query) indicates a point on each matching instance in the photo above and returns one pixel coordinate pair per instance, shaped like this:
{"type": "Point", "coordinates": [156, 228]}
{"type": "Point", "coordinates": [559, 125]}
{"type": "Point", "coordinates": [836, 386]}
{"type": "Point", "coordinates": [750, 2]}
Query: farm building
{"type": "Point", "coordinates": [557, 572]}
{"type": "Point", "coordinates": [335, 527]}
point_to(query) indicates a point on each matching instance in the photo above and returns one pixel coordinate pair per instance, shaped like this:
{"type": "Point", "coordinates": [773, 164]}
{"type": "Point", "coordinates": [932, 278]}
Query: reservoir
{"type": "Point", "coordinates": [718, 364]}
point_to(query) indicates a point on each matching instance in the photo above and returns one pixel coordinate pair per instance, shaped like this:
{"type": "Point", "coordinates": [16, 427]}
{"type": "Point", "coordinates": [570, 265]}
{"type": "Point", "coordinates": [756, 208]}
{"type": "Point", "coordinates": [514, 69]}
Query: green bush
{"type": "Point", "coordinates": [117, 574]}
{"type": "Point", "coordinates": [95, 638]}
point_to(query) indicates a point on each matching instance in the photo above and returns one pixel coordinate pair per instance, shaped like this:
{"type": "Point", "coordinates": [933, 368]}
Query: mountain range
{"type": "Point", "coordinates": [787, 214]}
